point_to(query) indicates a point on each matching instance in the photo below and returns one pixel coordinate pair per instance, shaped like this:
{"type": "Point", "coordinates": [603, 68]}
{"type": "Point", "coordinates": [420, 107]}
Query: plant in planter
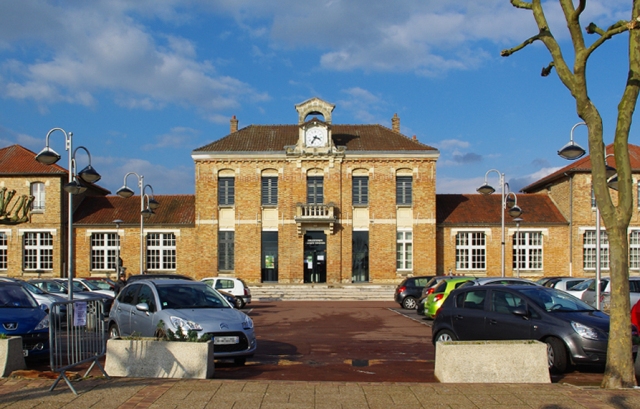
{"type": "Point", "coordinates": [169, 355]}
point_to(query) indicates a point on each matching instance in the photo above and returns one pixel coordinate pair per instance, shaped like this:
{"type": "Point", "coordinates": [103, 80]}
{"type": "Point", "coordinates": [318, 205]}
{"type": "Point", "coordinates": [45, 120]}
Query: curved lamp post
{"type": "Point", "coordinates": [89, 175]}
{"type": "Point", "coordinates": [152, 204]}
{"type": "Point", "coordinates": [508, 202]}
{"type": "Point", "coordinates": [572, 151]}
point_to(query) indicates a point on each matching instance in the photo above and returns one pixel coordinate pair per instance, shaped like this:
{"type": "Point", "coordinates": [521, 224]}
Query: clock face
{"type": "Point", "coordinates": [316, 137]}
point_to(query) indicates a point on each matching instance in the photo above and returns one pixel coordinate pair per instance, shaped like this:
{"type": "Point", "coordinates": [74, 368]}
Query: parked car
{"type": "Point", "coordinates": [235, 286]}
{"type": "Point", "coordinates": [42, 297]}
{"type": "Point", "coordinates": [103, 282]}
{"type": "Point", "coordinates": [91, 285]}
{"type": "Point", "coordinates": [20, 315]}
{"type": "Point", "coordinates": [59, 287]}
{"type": "Point", "coordinates": [564, 283]}
{"type": "Point", "coordinates": [166, 276]}
{"type": "Point", "coordinates": [434, 300]}
{"type": "Point", "coordinates": [498, 281]}
{"type": "Point", "coordinates": [410, 290]}
{"type": "Point", "coordinates": [589, 296]}
{"type": "Point", "coordinates": [183, 305]}
{"type": "Point", "coordinates": [428, 289]}
{"type": "Point", "coordinates": [573, 331]}
{"type": "Point", "coordinates": [579, 289]}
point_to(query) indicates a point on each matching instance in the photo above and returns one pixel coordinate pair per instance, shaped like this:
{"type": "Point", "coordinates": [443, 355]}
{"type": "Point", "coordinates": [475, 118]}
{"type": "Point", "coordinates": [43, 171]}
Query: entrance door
{"type": "Point", "coordinates": [315, 257]}
{"type": "Point", "coordinates": [269, 256]}
{"type": "Point", "coordinates": [360, 257]}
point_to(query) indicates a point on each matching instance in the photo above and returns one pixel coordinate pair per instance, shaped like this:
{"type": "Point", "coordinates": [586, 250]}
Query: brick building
{"type": "Point", "coordinates": [307, 202]}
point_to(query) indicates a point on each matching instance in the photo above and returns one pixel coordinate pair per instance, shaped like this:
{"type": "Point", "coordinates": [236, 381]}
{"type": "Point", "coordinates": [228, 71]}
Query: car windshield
{"type": "Point", "coordinates": [552, 300]}
{"type": "Point", "coordinates": [32, 288]}
{"type": "Point", "coordinates": [95, 285]}
{"type": "Point", "coordinates": [581, 286]}
{"type": "Point", "coordinates": [181, 296]}
{"type": "Point", "coordinates": [51, 287]}
{"type": "Point", "coordinates": [15, 296]}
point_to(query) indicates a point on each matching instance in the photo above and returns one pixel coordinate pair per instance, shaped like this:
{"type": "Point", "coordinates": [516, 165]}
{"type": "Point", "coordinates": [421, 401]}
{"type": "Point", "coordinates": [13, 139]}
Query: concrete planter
{"type": "Point", "coordinates": [150, 358]}
{"type": "Point", "coordinates": [11, 356]}
{"type": "Point", "coordinates": [492, 362]}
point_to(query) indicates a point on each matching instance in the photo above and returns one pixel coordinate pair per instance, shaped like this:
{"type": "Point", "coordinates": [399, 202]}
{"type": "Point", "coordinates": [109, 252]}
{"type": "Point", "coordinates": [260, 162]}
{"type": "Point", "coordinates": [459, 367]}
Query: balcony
{"type": "Point", "coordinates": [316, 214]}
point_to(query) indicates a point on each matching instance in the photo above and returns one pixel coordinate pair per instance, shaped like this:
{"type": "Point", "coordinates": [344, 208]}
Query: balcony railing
{"type": "Point", "coordinates": [315, 213]}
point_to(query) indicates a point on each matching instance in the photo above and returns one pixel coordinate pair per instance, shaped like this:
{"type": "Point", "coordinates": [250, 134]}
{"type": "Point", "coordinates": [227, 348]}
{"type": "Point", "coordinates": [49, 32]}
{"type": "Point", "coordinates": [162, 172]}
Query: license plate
{"type": "Point", "coordinates": [25, 352]}
{"type": "Point", "coordinates": [225, 340]}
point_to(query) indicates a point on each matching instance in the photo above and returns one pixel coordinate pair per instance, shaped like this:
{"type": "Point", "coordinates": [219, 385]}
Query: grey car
{"type": "Point", "coordinates": [145, 306]}
{"type": "Point", "coordinates": [589, 296]}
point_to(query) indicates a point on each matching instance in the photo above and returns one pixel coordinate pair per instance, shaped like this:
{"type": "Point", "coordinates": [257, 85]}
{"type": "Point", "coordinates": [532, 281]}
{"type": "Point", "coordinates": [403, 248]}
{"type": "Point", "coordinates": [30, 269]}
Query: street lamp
{"type": "Point", "coordinates": [152, 204]}
{"type": "Point", "coordinates": [518, 220]}
{"type": "Point", "coordinates": [118, 222]}
{"type": "Point", "coordinates": [89, 175]}
{"type": "Point", "coordinates": [508, 202]}
{"type": "Point", "coordinates": [572, 151]}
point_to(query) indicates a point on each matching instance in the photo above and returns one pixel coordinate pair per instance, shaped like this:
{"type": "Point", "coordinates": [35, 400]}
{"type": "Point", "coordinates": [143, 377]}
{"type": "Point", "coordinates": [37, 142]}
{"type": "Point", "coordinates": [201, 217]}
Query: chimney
{"type": "Point", "coordinates": [414, 138]}
{"type": "Point", "coordinates": [234, 124]}
{"type": "Point", "coordinates": [395, 123]}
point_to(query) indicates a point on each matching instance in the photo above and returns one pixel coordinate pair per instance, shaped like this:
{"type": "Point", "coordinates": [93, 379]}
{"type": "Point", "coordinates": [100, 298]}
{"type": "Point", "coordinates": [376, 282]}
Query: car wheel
{"type": "Point", "coordinates": [240, 361]}
{"type": "Point", "coordinates": [409, 303]}
{"type": "Point", "coordinates": [114, 331]}
{"type": "Point", "coordinates": [556, 355]}
{"type": "Point", "coordinates": [445, 335]}
{"type": "Point", "coordinates": [239, 303]}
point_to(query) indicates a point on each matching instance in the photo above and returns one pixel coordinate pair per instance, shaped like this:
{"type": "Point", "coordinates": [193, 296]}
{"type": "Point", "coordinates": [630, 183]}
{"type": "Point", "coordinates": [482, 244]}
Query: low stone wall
{"type": "Point", "coordinates": [150, 358]}
{"type": "Point", "coordinates": [11, 356]}
{"type": "Point", "coordinates": [492, 362]}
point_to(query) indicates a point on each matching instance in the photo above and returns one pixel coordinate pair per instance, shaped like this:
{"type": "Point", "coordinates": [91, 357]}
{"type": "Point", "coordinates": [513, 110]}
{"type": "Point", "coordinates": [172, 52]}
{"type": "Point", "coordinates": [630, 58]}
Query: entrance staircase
{"type": "Point", "coordinates": [322, 292]}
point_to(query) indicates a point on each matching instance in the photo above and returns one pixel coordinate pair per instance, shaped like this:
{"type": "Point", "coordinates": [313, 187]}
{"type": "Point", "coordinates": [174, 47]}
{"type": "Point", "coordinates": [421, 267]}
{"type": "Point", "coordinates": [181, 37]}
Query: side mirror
{"type": "Point", "coordinates": [143, 306]}
{"type": "Point", "coordinates": [521, 312]}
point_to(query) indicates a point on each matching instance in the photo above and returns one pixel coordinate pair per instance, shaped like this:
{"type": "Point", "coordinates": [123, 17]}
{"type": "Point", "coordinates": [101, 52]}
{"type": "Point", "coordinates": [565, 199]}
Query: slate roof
{"type": "Point", "coordinates": [482, 210]}
{"type": "Point", "coordinates": [273, 138]}
{"type": "Point", "coordinates": [173, 210]}
{"type": "Point", "coordinates": [583, 165]}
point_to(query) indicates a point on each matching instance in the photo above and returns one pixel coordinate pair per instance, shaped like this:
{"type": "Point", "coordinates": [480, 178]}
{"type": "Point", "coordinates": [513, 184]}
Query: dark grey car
{"type": "Point", "coordinates": [573, 331]}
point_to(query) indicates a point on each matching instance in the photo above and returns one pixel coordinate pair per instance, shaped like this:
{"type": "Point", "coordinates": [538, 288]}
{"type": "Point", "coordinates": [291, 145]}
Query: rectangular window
{"type": "Point", "coordinates": [161, 251]}
{"type": "Point", "coordinates": [360, 190]}
{"type": "Point", "coordinates": [404, 190]}
{"type": "Point", "coordinates": [226, 250]}
{"type": "Point", "coordinates": [38, 251]}
{"type": "Point", "coordinates": [527, 250]}
{"type": "Point", "coordinates": [3, 251]}
{"type": "Point", "coordinates": [104, 250]}
{"type": "Point", "coordinates": [593, 198]}
{"type": "Point", "coordinates": [269, 191]}
{"type": "Point", "coordinates": [226, 191]}
{"type": "Point", "coordinates": [634, 250]}
{"type": "Point", "coordinates": [589, 250]}
{"type": "Point", "coordinates": [37, 191]}
{"type": "Point", "coordinates": [315, 190]}
{"type": "Point", "coordinates": [404, 250]}
{"type": "Point", "coordinates": [471, 252]}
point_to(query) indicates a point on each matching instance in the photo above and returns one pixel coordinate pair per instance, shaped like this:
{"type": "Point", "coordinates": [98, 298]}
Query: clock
{"type": "Point", "coordinates": [316, 137]}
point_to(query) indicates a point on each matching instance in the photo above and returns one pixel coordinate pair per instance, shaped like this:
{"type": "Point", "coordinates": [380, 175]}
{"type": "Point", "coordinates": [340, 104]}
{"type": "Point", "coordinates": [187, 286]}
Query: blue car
{"type": "Point", "coordinates": [21, 316]}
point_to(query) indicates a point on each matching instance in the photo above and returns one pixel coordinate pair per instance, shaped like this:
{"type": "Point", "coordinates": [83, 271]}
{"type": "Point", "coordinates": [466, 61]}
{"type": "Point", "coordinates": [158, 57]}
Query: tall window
{"type": "Point", "coordinates": [471, 252]}
{"type": "Point", "coordinates": [634, 250]}
{"type": "Point", "coordinates": [589, 250]}
{"type": "Point", "coordinates": [38, 251]}
{"type": "Point", "coordinates": [360, 190]}
{"type": "Point", "coordinates": [37, 191]}
{"type": "Point", "coordinates": [404, 190]}
{"type": "Point", "coordinates": [3, 251]}
{"type": "Point", "coordinates": [161, 251]}
{"type": "Point", "coordinates": [226, 250]}
{"type": "Point", "coordinates": [315, 190]}
{"type": "Point", "coordinates": [527, 250]}
{"type": "Point", "coordinates": [226, 191]}
{"type": "Point", "coordinates": [404, 250]}
{"type": "Point", "coordinates": [593, 198]}
{"type": "Point", "coordinates": [104, 251]}
{"type": "Point", "coordinates": [269, 190]}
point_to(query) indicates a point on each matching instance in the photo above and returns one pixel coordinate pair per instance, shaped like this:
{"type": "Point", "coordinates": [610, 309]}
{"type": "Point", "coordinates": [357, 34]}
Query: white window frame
{"type": "Point", "coordinates": [104, 254]}
{"type": "Point", "coordinates": [37, 190]}
{"type": "Point", "coordinates": [404, 250]}
{"type": "Point", "coordinates": [470, 253]}
{"type": "Point", "coordinates": [41, 252]}
{"type": "Point", "coordinates": [530, 250]}
{"type": "Point", "coordinates": [634, 250]}
{"type": "Point", "coordinates": [589, 249]}
{"type": "Point", "coordinates": [162, 254]}
{"type": "Point", "coordinates": [4, 250]}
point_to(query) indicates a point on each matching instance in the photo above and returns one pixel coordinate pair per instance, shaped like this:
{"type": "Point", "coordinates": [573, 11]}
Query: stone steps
{"type": "Point", "coordinates": [322, 292]}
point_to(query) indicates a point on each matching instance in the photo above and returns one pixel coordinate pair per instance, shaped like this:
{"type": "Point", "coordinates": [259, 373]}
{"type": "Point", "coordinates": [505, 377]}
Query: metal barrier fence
{"type": "Point", "coordinates": [77, 335]}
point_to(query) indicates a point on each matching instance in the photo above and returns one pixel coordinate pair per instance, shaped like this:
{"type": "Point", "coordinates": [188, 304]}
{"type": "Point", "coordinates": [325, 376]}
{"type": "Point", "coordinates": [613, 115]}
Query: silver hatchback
{"type": "Point", "coordinates": [148, 307]}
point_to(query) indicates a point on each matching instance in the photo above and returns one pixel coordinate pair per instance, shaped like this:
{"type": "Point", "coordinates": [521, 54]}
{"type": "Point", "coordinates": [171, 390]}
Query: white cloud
{"type": "Point", "coordinates": [448, 144]}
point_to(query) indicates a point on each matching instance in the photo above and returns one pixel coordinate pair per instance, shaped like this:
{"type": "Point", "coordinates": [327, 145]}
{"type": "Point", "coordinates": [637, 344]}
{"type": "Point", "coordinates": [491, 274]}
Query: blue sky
{"type": "Point", "coordinates": [143, 83]}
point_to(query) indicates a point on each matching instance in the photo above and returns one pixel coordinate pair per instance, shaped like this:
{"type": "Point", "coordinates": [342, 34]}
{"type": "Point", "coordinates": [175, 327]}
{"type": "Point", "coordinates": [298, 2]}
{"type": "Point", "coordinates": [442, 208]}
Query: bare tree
{"type": "Point", "coordinates": [616, 215]}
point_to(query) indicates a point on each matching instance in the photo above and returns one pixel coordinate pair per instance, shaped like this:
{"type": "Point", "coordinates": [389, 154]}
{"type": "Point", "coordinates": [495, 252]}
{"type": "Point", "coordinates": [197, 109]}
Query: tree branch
{"type": "Point", "coordinates": [618, 28]}
{"type": "Point", "coordinates": [547, 70]}
{"type": "Point", "coordinates": [508, 52]}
